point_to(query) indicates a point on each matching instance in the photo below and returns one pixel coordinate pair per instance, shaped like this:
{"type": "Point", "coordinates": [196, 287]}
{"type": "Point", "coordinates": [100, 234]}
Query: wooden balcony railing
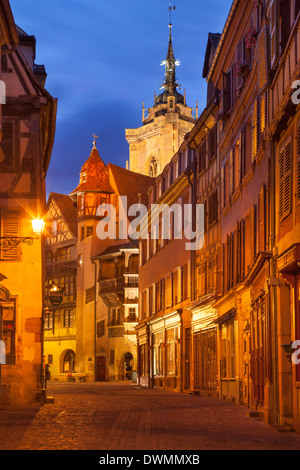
{"type": "Point", "coordinates": [111, 285]}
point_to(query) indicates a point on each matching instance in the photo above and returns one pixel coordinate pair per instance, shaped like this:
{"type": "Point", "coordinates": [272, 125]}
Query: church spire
{"type": "Point", "coordinates": [170, 83]}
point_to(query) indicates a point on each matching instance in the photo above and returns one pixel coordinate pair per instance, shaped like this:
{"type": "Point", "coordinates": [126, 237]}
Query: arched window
{"type": "Point", "coordinates": [153, 167]}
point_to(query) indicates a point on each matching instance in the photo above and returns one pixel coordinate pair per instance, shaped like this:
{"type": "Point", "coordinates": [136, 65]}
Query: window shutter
{"type": "Point", "coordinates": [212, 144]}
{"type": "Point", "coordinates": [243, 249]}
{"type": "Point", "coordinates": [263, 63]}
{"type": "Point", "coordinates": [238, 253]}
{"type": "Point", "coordinates": [10, 228]}
{"type": "Point", "coordinates": [235, 257]}
{"type": "Point", "coordinates": [262, 219]}
{"type": "Point", "coordinates": [254, 131]}
{"type": "Point", "coordinates": [243, 152]}
{"type": "Point", "coordinates": [227, 87]}
{"type": "Point", "coordinates": [223, 186]}
{"type": "Point", "coordinates": [281, 182]}
{"type": "Point", "coordinates": [274, 25]}
{"type": "Point", "coordinates": [285, 181]}
{"type": "Point", "coordinates": [231, 172]}
{"type": "Point", "coordinates": [220, 273]}
{"type": "Point", "coordinates": [228, 264]}
{"type": "Point", "coordinates": [239, 60]}
{"type": "Point", "coordinates": [298, 166]}
{"type": "Point", "coordinates": [250, 239]}
{"type": "Point", "coordinates": [213, 209]}
{"type": "Point", "coordinates": [262, 113]}
{"type": "Point", "coordinates": [253, 233]}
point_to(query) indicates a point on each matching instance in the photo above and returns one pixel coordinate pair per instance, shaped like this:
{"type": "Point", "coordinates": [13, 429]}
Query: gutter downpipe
{"type": "Point", "coordinates": [273, 288]}
{"type": "Point", "coordinates": [191, 172]}
{"type": "Point", "coordinates": [95, 322]}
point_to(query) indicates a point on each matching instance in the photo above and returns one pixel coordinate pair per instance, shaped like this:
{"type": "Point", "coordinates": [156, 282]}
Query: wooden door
{"type": "Point", "coordinates": [101, 369]}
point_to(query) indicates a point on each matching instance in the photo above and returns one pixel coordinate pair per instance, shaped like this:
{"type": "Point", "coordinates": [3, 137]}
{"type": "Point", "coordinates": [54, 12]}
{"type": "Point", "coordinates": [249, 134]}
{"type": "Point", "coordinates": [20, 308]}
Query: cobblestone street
{"type": "Point", "coordinates": [122, 416]}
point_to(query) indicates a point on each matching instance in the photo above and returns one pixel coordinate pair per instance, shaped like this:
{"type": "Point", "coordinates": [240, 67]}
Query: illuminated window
{"type": "Point", "coordinates": [9, 331]}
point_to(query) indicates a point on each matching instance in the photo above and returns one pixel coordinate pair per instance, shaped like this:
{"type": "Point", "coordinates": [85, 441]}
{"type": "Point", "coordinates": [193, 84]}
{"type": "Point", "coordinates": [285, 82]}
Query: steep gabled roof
{"type": "Point", "coordinates": [212, 44]}
{"type": "Point", "coordinates": [131, 184]}
{"type": "Point", "coordinates": [68, 210]}
{"type": "Point", "coordinates": [94, 175]}
{"type": "Point", "coordinates": [9, 27]}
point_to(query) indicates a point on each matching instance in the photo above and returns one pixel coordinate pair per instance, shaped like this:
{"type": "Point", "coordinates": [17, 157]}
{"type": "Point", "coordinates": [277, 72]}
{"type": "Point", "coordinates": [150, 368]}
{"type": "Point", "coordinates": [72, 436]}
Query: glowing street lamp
{"type": "Point", "coordinates": [38, 226]}
{"type": "Point", "coordinates": [9, 243]}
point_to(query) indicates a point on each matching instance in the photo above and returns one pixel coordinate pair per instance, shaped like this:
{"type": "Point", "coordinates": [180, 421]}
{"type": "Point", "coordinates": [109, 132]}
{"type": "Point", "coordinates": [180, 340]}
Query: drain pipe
{"type": "Point", "coordinates": [273, 288]}
{"type": "Point", "coordinates": [95, 323]}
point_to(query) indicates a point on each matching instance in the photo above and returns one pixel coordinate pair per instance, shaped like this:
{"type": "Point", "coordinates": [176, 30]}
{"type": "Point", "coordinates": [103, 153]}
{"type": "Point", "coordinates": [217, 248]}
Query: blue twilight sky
{"type": "Point", "coordinates": [103, 60]}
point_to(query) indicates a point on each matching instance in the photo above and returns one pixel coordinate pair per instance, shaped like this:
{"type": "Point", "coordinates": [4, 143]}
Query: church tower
{"type": "Point", "coordinates": [152, 146]}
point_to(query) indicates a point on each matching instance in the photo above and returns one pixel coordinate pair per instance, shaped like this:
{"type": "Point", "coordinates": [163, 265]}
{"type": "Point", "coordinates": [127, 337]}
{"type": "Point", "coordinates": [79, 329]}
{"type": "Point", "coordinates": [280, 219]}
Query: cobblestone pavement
{"type": "Point", "coordinates": [122, 416]}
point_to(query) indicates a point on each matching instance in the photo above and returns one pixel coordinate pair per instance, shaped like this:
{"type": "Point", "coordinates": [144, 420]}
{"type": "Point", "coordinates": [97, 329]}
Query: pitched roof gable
{"type": "Point", "coordinates": [68, 210]}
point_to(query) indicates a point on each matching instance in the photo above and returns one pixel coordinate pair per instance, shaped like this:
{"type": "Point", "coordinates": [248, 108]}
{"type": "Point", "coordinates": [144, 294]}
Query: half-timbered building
{"type": "Point", "coordinates": [28, 116]}
{"type": "Point", "coordinates": [61, 272]}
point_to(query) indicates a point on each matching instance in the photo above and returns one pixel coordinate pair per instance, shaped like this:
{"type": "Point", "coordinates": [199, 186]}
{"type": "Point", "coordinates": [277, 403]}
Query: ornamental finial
{"type": "Point", "coordinates": [95, 137]}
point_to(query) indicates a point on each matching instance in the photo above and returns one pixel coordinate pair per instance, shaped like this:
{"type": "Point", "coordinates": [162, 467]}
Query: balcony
{"type": "Point", "coordinates": [132, 281]}
{"type": "Point", "coordinates": [61, 266]}
{"type": "Point", "coordinates": [115, 331]}
{"type": "Point", "coordinates": [111, 286]}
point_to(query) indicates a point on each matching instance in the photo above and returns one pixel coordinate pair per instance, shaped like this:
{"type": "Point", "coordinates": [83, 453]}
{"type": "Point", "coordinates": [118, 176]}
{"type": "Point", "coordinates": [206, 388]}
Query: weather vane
{"type": "Point", "coordinates": [171, 8]}
{"type": "Point", "coordinates": [95, 137]}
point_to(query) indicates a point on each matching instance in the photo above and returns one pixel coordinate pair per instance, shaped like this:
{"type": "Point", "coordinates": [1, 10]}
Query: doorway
{"type": "Point", "coordinates": [101, 369]}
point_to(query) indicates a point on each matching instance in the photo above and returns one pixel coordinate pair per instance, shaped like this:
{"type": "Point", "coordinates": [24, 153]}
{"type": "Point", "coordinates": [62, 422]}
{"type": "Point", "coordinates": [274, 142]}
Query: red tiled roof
{"type": "Point", "coordinates": [68, 210]}
{"type": "Point", "coordinates": [96, 175]}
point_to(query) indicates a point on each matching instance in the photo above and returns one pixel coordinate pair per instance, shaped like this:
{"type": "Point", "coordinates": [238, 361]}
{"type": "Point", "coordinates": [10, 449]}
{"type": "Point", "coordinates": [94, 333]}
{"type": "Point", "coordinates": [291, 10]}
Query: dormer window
{"type": "Point", "coordinates": [83, 178]}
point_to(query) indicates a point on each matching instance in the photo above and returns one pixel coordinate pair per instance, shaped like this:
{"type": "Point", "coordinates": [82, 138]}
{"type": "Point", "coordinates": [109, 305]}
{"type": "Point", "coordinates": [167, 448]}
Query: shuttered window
{"type": "Point", "coordinates": [169, 291]}
{"type": "Point", "coordinates": [263, 62]}
{"type": "Point", "coordinates": [227, 91]}
{"type": "Point", "coordinates": [262, 113]}
{"type": "Point", "coordinates": [262, 219]}
{"type": "Point", "coordinates": [239, 253]}
{"type": "Point", "coordinates": [231, 172]}
{"type": "Point", "coordinates": [298, 166]}
{"type": "Point", "coordinates": [212, 144]}
{"type": "Point", "coordinates": [220, 275]}
{"type": "Point", "coordinates": [274, 31]}
{"type": "Point", "coordinates": [285, 181]}
{"type": "Point", "coordinates": [250, 239]}
{"type": "Point", "coordinates": [213, 209]}
{"type": "Point", "coordinates": [230, 260]}
{"type": "Point", "coordinates": [243, 152]}
{"type": "Point", "coordinates": [254, 131]}
{"type": "Point", "coordinates": [10, 227]}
